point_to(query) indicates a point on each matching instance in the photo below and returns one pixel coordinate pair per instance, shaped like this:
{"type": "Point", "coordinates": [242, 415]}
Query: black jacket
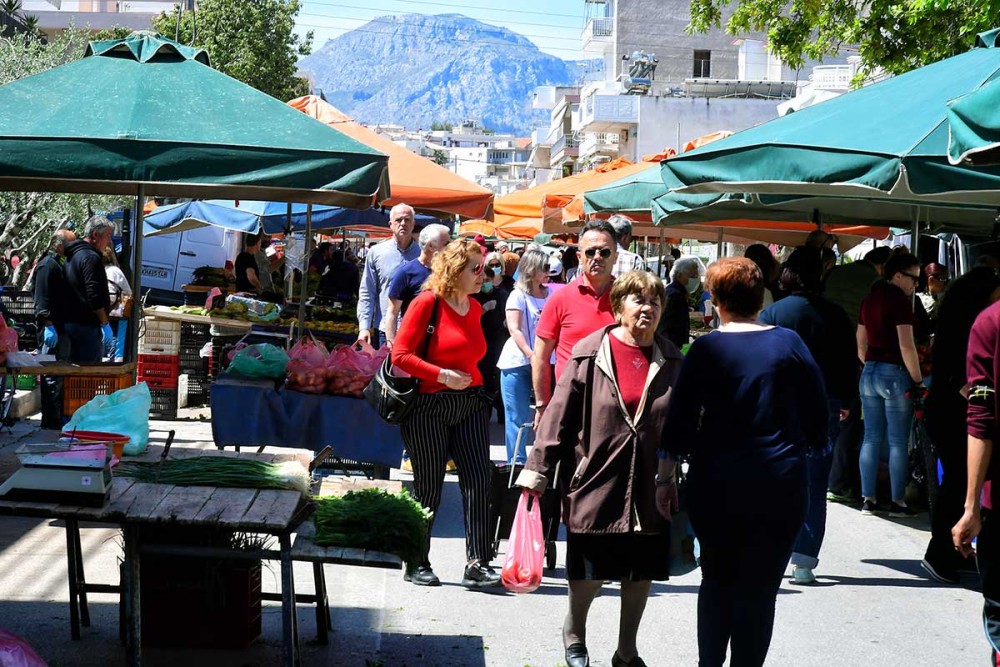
{"type": "Point", "coordinates": [87, 283]}
{"type": "Point", "coordinates": [50, 291]}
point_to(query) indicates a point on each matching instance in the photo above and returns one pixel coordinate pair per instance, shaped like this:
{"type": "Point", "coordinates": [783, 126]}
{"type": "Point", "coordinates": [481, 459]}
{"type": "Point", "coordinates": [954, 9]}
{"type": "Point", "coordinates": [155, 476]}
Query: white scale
{"type": "Point", "coordinates": [48, 476]}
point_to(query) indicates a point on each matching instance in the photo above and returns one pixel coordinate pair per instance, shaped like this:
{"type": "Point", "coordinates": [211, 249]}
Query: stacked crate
{"type": "Point", "coordinates": [20, 307]}
{"type": "Point", "coordinates": [159, 365]}
{"type": "Point", "coordinates": [193, 339]}
{"type": "Point", "coordinates": [79, 389]}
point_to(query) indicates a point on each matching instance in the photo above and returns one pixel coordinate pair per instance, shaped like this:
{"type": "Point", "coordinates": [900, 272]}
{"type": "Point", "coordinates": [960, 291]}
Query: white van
{"type": "Point", "coordinates": [169, 261]}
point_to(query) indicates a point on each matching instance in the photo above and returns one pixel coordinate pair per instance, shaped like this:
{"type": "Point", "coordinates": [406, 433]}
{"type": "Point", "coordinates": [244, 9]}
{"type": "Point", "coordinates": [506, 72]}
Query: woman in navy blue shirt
{"type": "Point", "coordinates": [749, 402]}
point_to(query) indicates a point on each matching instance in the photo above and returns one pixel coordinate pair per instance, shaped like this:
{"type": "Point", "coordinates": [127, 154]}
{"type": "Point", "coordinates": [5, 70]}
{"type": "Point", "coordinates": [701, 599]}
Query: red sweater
{"type": "Point", "coordinates": [457, 344]}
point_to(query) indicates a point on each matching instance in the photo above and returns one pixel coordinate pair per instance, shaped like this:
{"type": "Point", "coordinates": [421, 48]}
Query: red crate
{"type": "Point", "coordinates": [159, 371]}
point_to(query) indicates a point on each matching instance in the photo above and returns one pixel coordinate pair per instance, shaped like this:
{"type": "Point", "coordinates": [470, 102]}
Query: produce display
{"type": "Point", "coordinates": [344, 372]}
{"type": "Point", "coordinates": [373, 519]}
{"type": "Point", "coordinates": [221, 471]}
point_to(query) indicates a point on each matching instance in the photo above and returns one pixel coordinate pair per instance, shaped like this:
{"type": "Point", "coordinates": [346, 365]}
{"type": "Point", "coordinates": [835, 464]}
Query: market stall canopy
{"type": "Point", "coordinates": [254, 216]}
{"type": "Point", "coordinates": [414, 180]}
{"type": "Point", "coordinates": [973, 125]}
{"type": "Point", "coordinates": [565, 205]}
{"type": "Point", "coordinates": [889, 139]}
{"type": "Point", "coordinates": [146, 110]}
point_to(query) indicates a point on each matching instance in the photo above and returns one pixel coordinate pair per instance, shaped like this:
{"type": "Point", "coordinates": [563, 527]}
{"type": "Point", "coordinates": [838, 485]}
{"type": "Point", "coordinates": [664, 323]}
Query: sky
{"type": "Point", "coordinates": [555, 26]}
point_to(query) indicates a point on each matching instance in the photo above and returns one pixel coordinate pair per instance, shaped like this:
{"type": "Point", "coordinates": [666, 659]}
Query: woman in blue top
{"type": "Point", "coordinates": [748, 404]}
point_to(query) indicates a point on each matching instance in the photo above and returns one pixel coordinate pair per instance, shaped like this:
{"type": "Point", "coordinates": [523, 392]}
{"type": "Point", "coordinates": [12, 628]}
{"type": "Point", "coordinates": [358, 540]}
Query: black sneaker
{"type": "Point", "coordinates": [422, 575]}
{"type": "Point", "coordinates": [897, 511]}
{"type": "Point", "coordinates": [480, 575]}
{"type": "Point", "coordinates": [940, 573]}
{"type": "Point", "coordinates": [869, 507]}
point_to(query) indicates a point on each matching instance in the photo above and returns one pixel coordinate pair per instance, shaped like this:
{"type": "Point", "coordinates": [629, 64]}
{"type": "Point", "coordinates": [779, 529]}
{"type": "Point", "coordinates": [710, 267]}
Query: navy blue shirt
{"type": "Point", "coordinates": [408, 282]}
{"type": "Point", "coordinates": [745, 407]}
{"type": "Point", "coordinates": [826, 330]}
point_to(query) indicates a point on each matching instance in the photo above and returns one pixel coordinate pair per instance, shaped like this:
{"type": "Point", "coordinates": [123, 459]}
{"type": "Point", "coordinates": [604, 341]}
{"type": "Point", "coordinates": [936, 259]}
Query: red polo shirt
{"type": "Point", "coordinates": [570, 314]}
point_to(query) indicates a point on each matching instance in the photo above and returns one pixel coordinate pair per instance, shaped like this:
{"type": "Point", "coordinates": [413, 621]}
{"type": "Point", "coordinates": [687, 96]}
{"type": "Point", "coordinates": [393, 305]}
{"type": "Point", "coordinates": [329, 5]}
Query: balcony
{"type": "Point", "coordinates": [832, 77]}
{"type": "Point", "coordinates": [564, 148]}
{"type": "Point", "coordinates": [599, 36]}
{"type": "Point", "coordinates": [607, 113]}
{"type": "Point", "coordinates": [599, 143]}
{"type": "Point", "coordinates": [540, 137]}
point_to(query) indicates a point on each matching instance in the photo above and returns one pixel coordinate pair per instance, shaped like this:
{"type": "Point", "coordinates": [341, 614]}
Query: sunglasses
{"type": "Point", "coordinates": [494, 265]}
{"type": "Point", "coordinates": [915, 279]}
{"type": "Point", "coordinates": [478, 268]}
{"type": "Point", "coordinates": [591, 252]}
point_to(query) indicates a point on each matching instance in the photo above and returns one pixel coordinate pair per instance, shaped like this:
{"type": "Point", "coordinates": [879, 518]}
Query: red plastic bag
{"type": "Point", "coordinates": [307, 367]}
{"type": "Point", "coordinates": [15, 652]}
{"type": "Point", "coordinates": [8, 338]}
{"type": "Point", "coordinates": [522, 566]}
{"type": "Point", "coordinates": [350, 368]}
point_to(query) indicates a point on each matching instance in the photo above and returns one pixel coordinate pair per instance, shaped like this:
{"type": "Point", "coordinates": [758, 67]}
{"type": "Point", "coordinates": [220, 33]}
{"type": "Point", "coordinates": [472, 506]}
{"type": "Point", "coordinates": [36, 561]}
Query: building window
{"type": "Point", "coordinates": [702, 64]}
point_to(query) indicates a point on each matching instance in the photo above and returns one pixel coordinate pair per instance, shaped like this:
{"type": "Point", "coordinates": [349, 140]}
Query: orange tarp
{"type": "Point", "coordinates": [413, 180]}
{"type": "Point", "coordinates": [706, 139]}
{"type": "Point", "coordinates": [565, 206]}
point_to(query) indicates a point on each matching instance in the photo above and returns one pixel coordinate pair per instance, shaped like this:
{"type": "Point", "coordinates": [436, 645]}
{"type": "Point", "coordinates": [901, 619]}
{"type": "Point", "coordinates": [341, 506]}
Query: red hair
{"type": "Point", "coordinates": [736, 284]}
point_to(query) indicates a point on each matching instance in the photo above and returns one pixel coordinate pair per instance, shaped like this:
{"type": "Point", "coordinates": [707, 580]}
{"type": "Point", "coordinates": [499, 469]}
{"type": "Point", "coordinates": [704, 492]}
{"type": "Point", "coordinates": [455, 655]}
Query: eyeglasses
{"type": "Point", "coordinates": [478, 268]}
{"type": "Point", "coordinates": [494, 265]}
{"type": "Point", "coordinates": [915, 278]}
{"type": "Point", "coordinates": [604, 252]}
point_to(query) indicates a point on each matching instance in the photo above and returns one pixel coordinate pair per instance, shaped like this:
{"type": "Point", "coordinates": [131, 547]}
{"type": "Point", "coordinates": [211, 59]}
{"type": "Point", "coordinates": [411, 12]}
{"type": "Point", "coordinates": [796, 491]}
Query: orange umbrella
{"type": "Point", "coordinates": [706, 139]}
{"type": "Point", "coordinates": [565, 206]}
{"type": "Point", "coordinates": [413, 180]}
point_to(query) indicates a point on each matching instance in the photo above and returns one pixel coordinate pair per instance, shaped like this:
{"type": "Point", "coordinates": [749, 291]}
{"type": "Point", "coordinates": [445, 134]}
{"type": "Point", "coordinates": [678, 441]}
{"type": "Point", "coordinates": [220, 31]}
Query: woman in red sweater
{"type": "Point", "coordinates": [449, 419]}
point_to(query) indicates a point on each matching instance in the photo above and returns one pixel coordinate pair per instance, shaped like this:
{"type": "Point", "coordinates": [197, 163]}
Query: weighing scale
{"type": "Point", "coordinates": [64, 473]}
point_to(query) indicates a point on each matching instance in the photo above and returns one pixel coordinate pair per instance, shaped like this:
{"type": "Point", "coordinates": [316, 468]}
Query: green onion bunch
{"type": "Point", "coordinates": [374, 519]}
{"type": "Point", "coordinates": [221, 471]}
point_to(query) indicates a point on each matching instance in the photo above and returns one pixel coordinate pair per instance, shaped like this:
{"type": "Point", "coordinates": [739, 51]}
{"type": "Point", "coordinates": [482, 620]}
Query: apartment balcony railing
{"type": "Point", "coordinates": [831, 77]}
{"type": "Point", "coordinates": [598, 35]}
{"type": "Point", "coordinates": [564, 142]}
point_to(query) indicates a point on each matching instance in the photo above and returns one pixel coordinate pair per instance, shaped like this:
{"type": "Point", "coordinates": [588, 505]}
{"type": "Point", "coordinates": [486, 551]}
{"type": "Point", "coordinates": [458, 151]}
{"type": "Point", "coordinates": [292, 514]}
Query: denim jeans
{"type": "Point", "coordinates": [86, 342]}
{"type": "Point", "coordinates": [805, 553]}
{"type": "Point", "coordinates": [515, 389]}
{"type": "Point", "coordinates": [120, 327]}
{"type": "Point", "coordinates": [888, 420]}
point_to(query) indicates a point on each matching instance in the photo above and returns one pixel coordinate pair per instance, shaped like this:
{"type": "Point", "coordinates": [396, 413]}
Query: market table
{"type": "Point", "coordinates": [165, 313]}
{"type": "Point", "coordinates": [134, 505]}
{"type": "Point", "coordinates": [254, 413]}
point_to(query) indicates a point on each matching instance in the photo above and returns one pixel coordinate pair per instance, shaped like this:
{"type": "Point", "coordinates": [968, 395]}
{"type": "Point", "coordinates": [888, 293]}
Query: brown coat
{"type": "Point", "coordinates": [612, 458]}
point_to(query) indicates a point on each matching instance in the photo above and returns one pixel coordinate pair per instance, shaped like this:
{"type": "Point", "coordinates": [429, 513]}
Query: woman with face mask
{"type": "Point", "coordinates": [685, 279]}
{"type": "Point", "coordinates": [492, 297]}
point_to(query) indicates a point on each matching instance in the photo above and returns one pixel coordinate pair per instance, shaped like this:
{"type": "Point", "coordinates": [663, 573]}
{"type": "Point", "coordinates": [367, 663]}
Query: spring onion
{"type": "Point", "coordinates": [373, 519]}
{"type": "Point", "coordinates": [221, 471]}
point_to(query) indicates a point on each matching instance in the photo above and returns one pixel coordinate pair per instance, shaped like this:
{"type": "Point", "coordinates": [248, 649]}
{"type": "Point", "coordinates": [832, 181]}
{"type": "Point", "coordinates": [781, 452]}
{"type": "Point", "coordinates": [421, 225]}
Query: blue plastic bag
{"type": "Point", "coordinates": [126, 411]}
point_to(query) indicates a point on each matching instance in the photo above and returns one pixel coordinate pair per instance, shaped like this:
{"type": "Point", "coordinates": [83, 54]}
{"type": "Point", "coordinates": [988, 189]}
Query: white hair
{"type": "Point", "coordinates": [96, 224]}
{"type": "Point", "coordinates": [409, 208]}
{"type": "Point", "coordinates": [431, 232]}
{"type": "Point", "coordinates": [622, 225]}
{"type": "Point", "coordinates": [687, 265]}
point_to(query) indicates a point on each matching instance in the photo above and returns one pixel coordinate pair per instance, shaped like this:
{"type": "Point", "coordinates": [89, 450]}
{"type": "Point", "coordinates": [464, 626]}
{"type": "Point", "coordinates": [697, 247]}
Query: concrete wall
{"type": "Point", "coordinates": [663, 119]}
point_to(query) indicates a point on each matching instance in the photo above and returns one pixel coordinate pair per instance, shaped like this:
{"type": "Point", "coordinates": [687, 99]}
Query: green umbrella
{"type": "Point", "coordinates": [889, 139]}
{"type": "Point", "coordinates": [630, 195]}
{"type": "Point", "coordinates": [147, 110]}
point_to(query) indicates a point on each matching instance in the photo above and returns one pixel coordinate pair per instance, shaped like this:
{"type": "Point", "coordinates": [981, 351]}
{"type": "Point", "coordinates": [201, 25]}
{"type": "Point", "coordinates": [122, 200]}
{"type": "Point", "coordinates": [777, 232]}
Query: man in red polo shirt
{"type": "Point", "coordinates": [579, 309]}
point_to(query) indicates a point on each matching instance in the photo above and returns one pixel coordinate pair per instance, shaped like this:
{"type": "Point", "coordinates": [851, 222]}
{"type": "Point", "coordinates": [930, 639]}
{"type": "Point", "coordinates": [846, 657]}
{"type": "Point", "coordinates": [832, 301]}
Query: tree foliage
{"type": "Point", "coordinates": [438, 156]}
{"type": "Point", "coordinates": [250, 40]}
{"type": "Point", "coordinates": [893, 35]}
{"type": "Point", "coordinates": [28, 219]}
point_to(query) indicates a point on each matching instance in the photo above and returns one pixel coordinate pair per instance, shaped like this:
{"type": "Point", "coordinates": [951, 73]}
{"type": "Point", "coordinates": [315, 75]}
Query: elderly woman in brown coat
{"type": "Point", "coordinates": [604, 423]}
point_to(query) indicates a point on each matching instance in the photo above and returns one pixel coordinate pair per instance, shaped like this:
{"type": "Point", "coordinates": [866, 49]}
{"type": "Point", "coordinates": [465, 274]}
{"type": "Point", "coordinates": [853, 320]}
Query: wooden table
{"type": "Point", "coordinates": [134, 505]}
{"type": "Point", "coordinates": [164, 313]}
{"type": "Point", "coordinates": [68, 369]}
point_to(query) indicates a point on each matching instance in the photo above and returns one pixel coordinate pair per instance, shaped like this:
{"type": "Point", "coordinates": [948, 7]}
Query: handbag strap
{"type": "Point", "coordinates": [431, 328]}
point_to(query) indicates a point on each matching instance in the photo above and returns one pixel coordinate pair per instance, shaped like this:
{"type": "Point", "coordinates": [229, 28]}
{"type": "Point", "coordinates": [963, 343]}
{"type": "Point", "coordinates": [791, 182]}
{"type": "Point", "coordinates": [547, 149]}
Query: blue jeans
{"type": "Point", "coordinates": [515, 389]}
{"type": "Point", "coordinates": [86, 342]}
{"type": "Point", "coordinates": [805, 553]}
{"type": "Point", "coordinates": [120, 327]}
{"type": "Point", "coordinates": [888, 417]}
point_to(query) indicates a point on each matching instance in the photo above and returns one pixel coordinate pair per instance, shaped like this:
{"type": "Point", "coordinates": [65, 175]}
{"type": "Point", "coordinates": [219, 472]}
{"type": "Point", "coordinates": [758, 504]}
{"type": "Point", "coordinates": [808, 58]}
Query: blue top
{"type": "Point", "coordinates": [826, 330]}
{"type": "Point", "coordinates": [745, 407]}
{"type": "Point", "coordinates": [408, 282]}
{"type": "Point", "coordinates": [381, 264]}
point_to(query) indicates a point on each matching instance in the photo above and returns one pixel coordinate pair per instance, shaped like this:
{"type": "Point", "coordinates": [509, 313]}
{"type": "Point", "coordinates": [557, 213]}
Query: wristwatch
{"type": "Point", "coordinates": [665, 481]}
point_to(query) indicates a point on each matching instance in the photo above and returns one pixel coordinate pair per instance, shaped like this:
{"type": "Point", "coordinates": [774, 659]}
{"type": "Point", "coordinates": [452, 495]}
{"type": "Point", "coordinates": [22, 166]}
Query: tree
{"type": "Point", "coordinates": [894, 35]}
{"type": "Point", "coordinates": [28, 219]}
{"type": "Point", "coordinates": [250, 40]}
{"type": "Point", "coordinates": [437, 126]}
{"type": "Point", "coordinates": [438, 156]}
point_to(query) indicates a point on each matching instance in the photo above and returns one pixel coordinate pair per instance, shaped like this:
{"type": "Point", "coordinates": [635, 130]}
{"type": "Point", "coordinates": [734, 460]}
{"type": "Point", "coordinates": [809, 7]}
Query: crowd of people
{"type": "Point", "coordinates": [584, 367]}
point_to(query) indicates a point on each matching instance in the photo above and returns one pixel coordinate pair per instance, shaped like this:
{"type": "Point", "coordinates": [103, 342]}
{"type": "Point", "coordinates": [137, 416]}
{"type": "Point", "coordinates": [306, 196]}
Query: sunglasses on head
{"type": "Point", "coordinates": [604, 252]}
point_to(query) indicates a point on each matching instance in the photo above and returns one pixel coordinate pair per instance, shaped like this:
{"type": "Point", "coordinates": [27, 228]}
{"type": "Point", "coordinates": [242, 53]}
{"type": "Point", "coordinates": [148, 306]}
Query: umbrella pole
{"type": "Point", "coordinates": [134, 317]}
{"type": "Point", "coordinates": [718, 248]}
{"type": "Point", "coordinates": [659, 250]}
{"type": "Point", "coordinates": [289, 271]}
{"type": "Point", "coordinates": [304, 292]}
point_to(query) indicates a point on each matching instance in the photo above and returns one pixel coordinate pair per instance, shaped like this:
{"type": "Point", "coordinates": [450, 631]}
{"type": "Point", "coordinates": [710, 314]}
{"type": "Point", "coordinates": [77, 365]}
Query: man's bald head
{"type": "Point", "coordinates": [61, 238]}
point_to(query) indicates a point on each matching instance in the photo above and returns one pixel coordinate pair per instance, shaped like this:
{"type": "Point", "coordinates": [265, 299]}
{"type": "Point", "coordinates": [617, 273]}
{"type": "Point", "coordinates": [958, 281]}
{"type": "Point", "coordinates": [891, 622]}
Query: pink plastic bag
{"type": "Point", "coordinates": [351, 368]}
{"type": "Point", "coordinates": [8, 338]}
{"type": "Point", "coordinates": [522, 566]}
{"type": "Point", "coordinates": [307, 367]}
{"type": "Point", "coordinates": [15, 652]}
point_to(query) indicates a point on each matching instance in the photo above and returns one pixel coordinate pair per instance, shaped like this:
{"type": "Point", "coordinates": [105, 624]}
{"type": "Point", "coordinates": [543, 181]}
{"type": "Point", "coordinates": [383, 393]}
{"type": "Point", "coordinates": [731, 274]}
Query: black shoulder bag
{"type": "Point", "coordinates": [392, 396]}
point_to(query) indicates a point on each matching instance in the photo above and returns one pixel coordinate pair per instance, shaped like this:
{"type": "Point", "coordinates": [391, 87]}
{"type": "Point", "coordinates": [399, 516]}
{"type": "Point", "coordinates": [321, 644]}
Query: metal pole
{"type": "Point", "coordinates": [135, 317]}
{"type": "Point", "coordinates": [304, 292]}
{"type": "Point", "coordinates": [718, 250]}
{"type": "Point", "coordinates": [659, 250]}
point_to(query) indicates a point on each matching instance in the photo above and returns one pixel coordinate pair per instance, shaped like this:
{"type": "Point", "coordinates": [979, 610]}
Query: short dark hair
{"type": "Point", "coordinates": [602, 226]}
{"type": "Point", "coordinates": [878, 256]}
{"type": "Point", "coordinates": [803, 272]}
{"type": "Point", "coordinates": [899, 264]}
{"type": "Point", "coordinates": [762, 256]}
{"type": "Point", "coordinates": [737, 284]}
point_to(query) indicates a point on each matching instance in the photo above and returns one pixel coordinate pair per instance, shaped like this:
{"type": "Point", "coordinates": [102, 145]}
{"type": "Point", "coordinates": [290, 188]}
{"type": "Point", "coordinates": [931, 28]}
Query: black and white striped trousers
{"type": "Point", "coordinates": [453, 424]}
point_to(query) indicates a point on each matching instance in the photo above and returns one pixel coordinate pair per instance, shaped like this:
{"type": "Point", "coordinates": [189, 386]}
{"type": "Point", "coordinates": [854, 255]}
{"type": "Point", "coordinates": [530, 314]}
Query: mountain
{"type": "Point", "coordinates": [414, 70]}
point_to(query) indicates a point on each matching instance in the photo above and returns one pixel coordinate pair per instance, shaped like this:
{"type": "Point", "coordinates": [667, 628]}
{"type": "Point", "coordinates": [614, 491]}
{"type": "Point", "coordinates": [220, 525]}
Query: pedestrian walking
{"type": "Point", "coordinates": [408, 281]}
{"type": "Point", "coordinates": [87, 301]}
{"type": "Point", "coordinates": [685, 279]}
{"type": "Point", "coordinates": [381, 263]}
{"type": "Point", "coordinates": [492, 297]}
{"type": "Point", "coordinates": [625, 260]}
{"type": "Point", "coordinates": [120, 296]}
{"type": "Point", "coordinates": [50, 293]}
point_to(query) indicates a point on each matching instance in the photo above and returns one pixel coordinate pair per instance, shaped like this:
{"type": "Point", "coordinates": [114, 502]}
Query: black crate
{"type": "Point", "coordinates": [164, 403]}
{"type": "Point", "coordinates": [20, 305]}
{"type": "Point", "coordinates": [196, 331]}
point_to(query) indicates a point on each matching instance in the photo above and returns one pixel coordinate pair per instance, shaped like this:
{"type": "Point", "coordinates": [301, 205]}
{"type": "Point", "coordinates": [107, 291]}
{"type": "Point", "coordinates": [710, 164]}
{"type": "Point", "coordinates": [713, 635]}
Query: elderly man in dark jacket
{"type": "Point", "coordinates": [88, 301]}
{"type": "Point", "coordinates": [50, 294]}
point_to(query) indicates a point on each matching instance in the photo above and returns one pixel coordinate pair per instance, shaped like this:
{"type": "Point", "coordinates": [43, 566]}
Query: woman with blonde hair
{"type": "Point", "coordinates": [440, 342]}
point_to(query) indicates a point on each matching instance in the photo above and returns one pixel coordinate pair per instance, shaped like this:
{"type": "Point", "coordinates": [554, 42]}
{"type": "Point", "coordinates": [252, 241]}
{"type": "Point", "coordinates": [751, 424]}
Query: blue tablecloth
{"type": "Point", "coordinates": [254, 414]}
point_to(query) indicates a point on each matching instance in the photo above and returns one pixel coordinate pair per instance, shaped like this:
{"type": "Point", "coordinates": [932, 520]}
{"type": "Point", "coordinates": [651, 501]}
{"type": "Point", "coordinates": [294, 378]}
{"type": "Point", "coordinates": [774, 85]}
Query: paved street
{"type": "Point", "coordinates": [872, 606]}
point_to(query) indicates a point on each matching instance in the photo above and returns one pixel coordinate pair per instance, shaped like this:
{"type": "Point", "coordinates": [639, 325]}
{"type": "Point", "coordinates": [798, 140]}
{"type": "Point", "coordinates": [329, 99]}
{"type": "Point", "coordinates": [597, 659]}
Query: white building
{"type": "Point", "coordinates": [499, 162]}
{"type": "Point", "coordinates": [54, 16]}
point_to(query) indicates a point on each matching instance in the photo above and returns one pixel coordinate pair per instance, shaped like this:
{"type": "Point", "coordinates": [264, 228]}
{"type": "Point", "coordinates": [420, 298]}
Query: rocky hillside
{"type": "Point", "coordinates": [415, 70]}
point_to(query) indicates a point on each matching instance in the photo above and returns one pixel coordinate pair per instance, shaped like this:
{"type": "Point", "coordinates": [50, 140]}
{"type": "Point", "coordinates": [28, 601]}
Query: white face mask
{"type": "Point", "coordinates": [692, 284]}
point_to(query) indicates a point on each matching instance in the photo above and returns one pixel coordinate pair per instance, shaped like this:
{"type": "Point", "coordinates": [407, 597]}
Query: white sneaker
{"type": "Point", "coordinates": [803, 576]}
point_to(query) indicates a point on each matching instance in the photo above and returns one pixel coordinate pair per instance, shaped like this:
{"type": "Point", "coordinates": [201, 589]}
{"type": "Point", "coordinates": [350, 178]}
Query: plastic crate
{"type": "Point", "coordinates": [78, 390]}
{"type": "Point", "coordinates": [159, 371]}
{"type": "Point", "coordinates": [27, 382]}
{"type": "Point", "coordinates": [164, 403]}
{"type": "Point", "coordinates": [20, 305]}
{"type": "Point", "coordinates": [160, 337]}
